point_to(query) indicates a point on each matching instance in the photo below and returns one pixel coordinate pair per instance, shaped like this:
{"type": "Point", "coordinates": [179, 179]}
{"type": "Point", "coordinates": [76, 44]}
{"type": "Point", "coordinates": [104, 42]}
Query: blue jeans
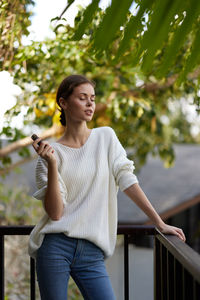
{"type": "Point", "coordinates": [60, 256]}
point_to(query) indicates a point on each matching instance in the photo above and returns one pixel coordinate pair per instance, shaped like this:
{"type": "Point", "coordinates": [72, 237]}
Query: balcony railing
{"type": "Point", "coordinates": [176, 265]}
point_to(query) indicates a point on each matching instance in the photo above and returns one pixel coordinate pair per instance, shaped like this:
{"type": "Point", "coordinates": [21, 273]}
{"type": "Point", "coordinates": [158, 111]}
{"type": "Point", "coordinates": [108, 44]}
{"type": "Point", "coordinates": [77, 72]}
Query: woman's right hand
{"type": "Point", "coordinates": [44, 150]}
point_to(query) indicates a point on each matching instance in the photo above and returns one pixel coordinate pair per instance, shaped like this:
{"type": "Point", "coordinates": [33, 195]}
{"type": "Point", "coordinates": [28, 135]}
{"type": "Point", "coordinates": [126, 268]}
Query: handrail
{"type": "Point", "coordinates": [16, 229]}
{"type": "Point", "coordinates": [188, 258]}
{"type": "Point", "coordinates": [176, 269]}
{"type": "Point", "coordinates": [122, 229]}
{"type": "Point", "coordinates": [174, 261]}
{"type": "Point", "coordinates": [136, 229]}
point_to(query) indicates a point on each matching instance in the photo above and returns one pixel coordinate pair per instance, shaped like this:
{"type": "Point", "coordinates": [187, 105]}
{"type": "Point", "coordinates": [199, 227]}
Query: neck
{"type": "Point", "coordinates": [76, 133]}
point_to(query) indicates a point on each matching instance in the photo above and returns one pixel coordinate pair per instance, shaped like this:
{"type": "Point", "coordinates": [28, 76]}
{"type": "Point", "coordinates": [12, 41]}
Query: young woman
{"type": "Point", "coordinates": [78, 178]}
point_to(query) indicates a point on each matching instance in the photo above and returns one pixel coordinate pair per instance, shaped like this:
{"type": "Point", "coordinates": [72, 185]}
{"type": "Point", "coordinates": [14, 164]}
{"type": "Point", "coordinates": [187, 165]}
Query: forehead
{"type": "Point", "coordinates": [85, 88]}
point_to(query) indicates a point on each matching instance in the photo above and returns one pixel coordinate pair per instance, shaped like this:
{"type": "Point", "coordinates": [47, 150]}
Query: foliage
{"type": "Point", "coordinates": [14, 20]}
{"type": "Point", "coordinates": [16, 206]}
{"type": "Point", "coordinates": [153, 37]}
{"type": "Point", "coordinates": [134, 110]}
{"type": "Point", "coordinates": [136, 101]}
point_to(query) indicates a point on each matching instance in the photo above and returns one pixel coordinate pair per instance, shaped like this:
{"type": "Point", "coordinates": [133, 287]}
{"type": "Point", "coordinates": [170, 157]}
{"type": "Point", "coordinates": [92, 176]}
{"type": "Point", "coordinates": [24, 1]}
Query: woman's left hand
{"type": "Point", "coordinates": [135, 193]}
{"type": "Point", "coordinates": [167, 229]}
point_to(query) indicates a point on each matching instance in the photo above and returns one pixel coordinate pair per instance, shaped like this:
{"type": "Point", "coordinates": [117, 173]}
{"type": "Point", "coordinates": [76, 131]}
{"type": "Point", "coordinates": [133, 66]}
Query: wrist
{"type": "Point", "coordinates": [160, 225]}
{"type": "Point", "coordinates": [52, 163]}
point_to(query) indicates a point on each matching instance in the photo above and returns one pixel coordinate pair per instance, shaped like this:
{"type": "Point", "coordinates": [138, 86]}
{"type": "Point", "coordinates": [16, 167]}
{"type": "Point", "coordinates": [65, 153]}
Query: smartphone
{"type": "Point", "coordinates": [35, 137]}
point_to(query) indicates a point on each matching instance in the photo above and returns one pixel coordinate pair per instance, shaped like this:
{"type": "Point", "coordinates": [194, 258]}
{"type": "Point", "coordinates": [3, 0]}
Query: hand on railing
{"type": "Point", "coordinates": [135, 193]}
{"type": "Point", "coordinates": [168, 229]}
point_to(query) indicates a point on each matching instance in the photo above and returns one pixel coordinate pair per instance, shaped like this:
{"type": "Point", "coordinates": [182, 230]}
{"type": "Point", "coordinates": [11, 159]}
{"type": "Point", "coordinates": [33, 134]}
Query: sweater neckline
{"type": "Point", "coordinates": [86, 142]}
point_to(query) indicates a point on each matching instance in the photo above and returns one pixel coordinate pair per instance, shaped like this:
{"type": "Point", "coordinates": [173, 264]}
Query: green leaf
{"type": "Point", "coordinates": [7, 131]}
{"type": "Point", "coordinates": [24, 152]}
{"type": "Point", "coordinates": [87, 19]}
{"type": "Point", "coordinates": [159, 13]}
{"type": "Point", "coordinates": [133, 26]}
{"type": "Point", "coordinates": [159, 30]}
{"type": "Point", "coordinates": [192, 59]}
{"type": "Point", "coordinates": [55, 19]}
{"type": "Point", "coordinates": [179, 37]}
{"type": "Point", "coordinates": [114, 17]}
{"type": "Point", "coordinates": [6, 160]}
{"type": "Point", "coordinates": [57, 27]}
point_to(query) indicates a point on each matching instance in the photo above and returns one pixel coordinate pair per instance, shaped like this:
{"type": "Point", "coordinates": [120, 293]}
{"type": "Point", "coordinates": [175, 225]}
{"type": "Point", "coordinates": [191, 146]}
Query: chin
{"type": "Point", "coordinates": [89, 118]}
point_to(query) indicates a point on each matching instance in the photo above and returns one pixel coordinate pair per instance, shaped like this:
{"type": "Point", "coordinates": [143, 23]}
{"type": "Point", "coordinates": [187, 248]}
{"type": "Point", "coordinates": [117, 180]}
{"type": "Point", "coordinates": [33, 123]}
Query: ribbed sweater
{"type": "Point", "coordinates": [89, 178]}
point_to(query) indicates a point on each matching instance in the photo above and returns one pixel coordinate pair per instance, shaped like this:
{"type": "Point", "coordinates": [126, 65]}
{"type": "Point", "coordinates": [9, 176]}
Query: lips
{"type": "Point", "coordinates": [89, 111]}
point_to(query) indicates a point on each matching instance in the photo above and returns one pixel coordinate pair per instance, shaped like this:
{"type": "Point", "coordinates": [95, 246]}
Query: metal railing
{"type": "Point", "coordinates": [176, 269]}
{"type": "Point", "coordinates": [14, 230]}
{"type": "Point", "coordinates": [176, 265]}
{"type": "Point", "coordinates": [128, 231]}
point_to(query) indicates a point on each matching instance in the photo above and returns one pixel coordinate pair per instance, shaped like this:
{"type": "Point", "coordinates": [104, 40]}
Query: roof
{"type": "Point", "coordinates": [169, 190]}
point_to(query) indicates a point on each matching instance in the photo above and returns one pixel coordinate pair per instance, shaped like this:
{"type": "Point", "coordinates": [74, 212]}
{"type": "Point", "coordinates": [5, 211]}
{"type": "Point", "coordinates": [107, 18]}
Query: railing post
{"type": "Point", "coordinates": [164, 272]}
{"type": "Point", "coordinates": [170, 276]}
{"type": "Point", "coordinates": [178, 280]}
{"type": "Point", "coordinates": [32, 278]}
{"type": "Point", "coordinates": [157, 269]}
{"type": "Point", "coordinates": [1, 267]}
{"type": "Point", "coordinates": [126, 268]}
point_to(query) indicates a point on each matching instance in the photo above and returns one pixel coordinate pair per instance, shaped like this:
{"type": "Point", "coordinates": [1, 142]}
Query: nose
{"type": "Point", "coordinates": [89, 102]}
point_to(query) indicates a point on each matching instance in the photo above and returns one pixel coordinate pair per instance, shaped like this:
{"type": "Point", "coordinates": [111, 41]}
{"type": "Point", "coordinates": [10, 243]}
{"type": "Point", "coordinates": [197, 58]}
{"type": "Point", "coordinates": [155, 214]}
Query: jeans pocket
{"type": "Point", "coordinates": [93, 252]}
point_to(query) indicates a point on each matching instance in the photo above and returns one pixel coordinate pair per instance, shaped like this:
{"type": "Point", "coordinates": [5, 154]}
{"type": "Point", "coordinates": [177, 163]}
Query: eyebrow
{"type": "Point", "coordinates": [87, 94]}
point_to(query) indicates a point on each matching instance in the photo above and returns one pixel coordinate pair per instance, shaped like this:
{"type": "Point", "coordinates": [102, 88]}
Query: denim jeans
{"type": "Point", "coordinates": [60, 256]}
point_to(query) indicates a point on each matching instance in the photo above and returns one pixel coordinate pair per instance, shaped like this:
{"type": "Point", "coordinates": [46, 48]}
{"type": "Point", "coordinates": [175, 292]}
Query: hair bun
{"type": "Point", "coordinates": [62, 117]}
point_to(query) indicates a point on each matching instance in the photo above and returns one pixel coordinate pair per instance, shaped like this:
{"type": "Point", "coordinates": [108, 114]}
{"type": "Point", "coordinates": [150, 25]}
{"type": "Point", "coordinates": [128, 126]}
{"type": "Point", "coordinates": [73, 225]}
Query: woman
{"type": "Point", "coordinates": [78, 178]}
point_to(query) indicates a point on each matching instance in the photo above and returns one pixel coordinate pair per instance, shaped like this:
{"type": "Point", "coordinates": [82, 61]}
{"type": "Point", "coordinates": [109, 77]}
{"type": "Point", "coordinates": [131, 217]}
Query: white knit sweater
{"type": "Point", "coordinates": [89, 178]}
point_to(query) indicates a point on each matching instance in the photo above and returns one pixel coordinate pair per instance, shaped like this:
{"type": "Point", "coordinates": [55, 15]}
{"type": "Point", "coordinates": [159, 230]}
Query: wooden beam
{"type": "Point", "coordinates": [177, 209]}
{"type": "Point", "coordinates": [54, 130]}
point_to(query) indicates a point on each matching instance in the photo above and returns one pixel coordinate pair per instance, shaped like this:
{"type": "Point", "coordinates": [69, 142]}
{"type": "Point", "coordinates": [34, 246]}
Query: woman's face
{"type": "Point", "coordinates": [80, 105]}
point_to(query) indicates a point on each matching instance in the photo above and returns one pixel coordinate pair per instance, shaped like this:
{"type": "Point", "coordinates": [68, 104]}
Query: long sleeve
{"type": "Point", "coordinates": [122, 167]}
{"type": "Point", "coordinates": [89, 179]}
{"type": "Point", "coordinates": [41, 181]}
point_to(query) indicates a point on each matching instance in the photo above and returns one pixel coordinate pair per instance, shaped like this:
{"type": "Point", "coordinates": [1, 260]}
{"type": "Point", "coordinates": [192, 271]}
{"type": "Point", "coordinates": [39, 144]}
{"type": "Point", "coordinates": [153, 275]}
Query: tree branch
{"type": "Point", "coordinates": [17, 164]}
{"type": "Point", "coordinates": [100, 107]}
{"type": "Point", "coordinates": [54, 130]}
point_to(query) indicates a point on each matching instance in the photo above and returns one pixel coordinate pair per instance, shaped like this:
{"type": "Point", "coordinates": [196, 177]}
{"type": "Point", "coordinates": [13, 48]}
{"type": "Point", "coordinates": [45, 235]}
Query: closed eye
{"type": "Point", "coordinates": [85, 98]}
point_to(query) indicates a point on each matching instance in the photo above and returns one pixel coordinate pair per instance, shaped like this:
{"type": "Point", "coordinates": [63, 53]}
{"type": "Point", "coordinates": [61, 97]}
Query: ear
{"type": "Point", "coordinates": [63, 103]}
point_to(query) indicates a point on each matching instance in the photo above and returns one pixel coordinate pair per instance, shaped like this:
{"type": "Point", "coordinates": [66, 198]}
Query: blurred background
{"type": "Point", "coordinates": [144, 57]}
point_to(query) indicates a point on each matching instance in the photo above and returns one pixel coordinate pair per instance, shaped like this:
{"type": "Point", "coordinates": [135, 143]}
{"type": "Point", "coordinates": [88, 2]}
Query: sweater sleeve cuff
{"type": "Point", "coordinates": [40, 194]}
{"type": "Point", "coordinates": [126, 180]}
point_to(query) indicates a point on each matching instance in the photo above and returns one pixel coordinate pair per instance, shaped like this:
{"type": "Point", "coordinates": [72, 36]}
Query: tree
{"type": "Point", "coordinates": [131, 101]}
{"type": "Point", "coordinates": [158, 31]}
{"type": "Point", "coordinates": [14, 21]}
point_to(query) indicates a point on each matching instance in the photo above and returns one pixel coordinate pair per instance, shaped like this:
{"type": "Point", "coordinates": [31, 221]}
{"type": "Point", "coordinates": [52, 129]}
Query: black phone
{"type": "Point", "coordinates": [35, 137]}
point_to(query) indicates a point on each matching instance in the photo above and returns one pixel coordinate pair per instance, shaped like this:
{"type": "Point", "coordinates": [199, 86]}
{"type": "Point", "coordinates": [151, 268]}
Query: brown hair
{"type": "Point", "coordinates": [66, 89]}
